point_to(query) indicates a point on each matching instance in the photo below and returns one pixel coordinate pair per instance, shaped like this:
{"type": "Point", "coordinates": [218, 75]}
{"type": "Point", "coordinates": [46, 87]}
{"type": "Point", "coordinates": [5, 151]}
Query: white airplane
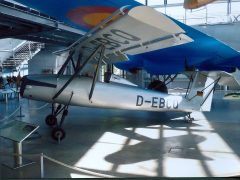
{"type": "Point", "coordinates": [124, 34]}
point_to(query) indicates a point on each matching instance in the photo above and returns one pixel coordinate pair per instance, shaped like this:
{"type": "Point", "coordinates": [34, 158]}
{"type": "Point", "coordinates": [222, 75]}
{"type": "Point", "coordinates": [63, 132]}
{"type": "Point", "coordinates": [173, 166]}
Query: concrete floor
{"type": "Point", "coordinates": [129, 143]}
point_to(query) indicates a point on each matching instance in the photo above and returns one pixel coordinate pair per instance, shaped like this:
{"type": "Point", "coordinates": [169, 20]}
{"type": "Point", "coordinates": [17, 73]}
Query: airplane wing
{"type": "Point", "coordinates": [205, 53]}
{"type": "Point", "coordinates": [128, 34]}
{"type": "Point", "coordinates": [124, 34]}
{"type": "Point", "coordinates": [162, 57]}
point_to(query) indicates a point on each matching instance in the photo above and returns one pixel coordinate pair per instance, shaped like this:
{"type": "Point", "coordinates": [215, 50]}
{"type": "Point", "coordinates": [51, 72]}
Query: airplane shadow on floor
{"type": "Point", "coordinates": [150, 148]}
{"type": "Point", "coordinates": [184, 146]}
{"type": "Point", "coordinates": [84, 127]}
{"type": "Point", "coordinates": [126, 123]}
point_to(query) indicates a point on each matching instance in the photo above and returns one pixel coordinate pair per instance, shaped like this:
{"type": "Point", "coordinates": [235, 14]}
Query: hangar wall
{"type": "Point", "coordinates": [44, 62]}
{"type": "Point", "coordinates": [227, 33]}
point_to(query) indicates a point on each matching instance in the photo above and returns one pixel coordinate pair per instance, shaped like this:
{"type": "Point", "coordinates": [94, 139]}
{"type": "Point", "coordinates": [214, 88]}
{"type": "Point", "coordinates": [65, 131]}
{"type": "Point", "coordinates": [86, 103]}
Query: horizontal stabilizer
{"type": "Point", "coordinates": [226, 79]}
{"type": "Point", "coordinates": [203, 86]}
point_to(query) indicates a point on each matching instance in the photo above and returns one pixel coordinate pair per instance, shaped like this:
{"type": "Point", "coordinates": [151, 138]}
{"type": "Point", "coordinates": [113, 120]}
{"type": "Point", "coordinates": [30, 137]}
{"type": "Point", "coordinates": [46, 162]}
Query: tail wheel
{"type": "Point", "coordinates": [58, 134]}
{"type": "Point", "coordinates": [51, 120]}
{"type": "Point", "coordinates": [158, 86]}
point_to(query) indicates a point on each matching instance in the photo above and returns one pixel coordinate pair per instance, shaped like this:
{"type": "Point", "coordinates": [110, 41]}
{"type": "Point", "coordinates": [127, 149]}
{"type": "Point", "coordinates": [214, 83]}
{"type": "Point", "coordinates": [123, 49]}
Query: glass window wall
{"type": "Point", "coordinates": [219, 11]}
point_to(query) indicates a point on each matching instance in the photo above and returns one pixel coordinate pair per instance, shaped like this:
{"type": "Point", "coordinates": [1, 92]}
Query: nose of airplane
{"type": "Point", "coordinates": [33, 82]}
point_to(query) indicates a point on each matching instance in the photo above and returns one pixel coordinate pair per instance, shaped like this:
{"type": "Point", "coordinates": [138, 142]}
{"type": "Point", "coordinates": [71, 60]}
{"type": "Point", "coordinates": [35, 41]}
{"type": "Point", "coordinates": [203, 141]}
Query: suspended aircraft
{"type": "Point", "coordinates": [133, 37]}
{"type": "Point", "coordinates": [194, 4]}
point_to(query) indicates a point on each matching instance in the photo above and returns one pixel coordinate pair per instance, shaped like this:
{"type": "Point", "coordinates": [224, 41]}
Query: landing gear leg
{"type": "Point", "coordinates": [51, 119]}
{"type": "Point", "coordinates": [58, 132]}
{"type": "Point", "coordinates": [188, 118]}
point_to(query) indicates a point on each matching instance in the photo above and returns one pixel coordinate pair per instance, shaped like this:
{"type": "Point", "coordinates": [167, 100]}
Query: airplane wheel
{"type": "Point", "coordinates": [58, 134]}
{"type": "Point", "coordinates": [51, 120]}
{"type": "Point", "coordinates": [158, 86]}
{"type": "Point", "coordinates": [190, 120]}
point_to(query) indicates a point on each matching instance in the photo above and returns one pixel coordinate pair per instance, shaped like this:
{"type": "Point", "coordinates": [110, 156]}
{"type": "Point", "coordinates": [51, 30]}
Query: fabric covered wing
{"type": "Point", "coordinates": [141, 30]}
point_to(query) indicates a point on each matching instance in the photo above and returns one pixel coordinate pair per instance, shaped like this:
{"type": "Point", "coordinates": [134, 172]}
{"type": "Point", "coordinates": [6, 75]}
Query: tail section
{"type": "Point", "coordinates": [201, 90]}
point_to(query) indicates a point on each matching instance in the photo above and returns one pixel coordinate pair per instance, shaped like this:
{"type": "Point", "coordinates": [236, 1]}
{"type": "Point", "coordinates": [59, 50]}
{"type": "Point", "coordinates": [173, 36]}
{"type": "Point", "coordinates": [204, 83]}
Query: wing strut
{"type": "Point", "coordinates": [96, 72]}
{"type": "Point", "coordinates": [61, 71]}
{"type": "Point", "coordinates": [78, 70]}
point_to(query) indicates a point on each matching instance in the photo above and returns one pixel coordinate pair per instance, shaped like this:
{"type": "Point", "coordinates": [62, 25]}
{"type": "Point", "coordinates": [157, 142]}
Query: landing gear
{"type": "Point", "coordinates": [188, 118]}
{"type": "Point", "coordinates": [158, 86]}
{"type": "Point", "coordinates": [51, 120]}
{"type": "Point", "coordinates": [58, 132]}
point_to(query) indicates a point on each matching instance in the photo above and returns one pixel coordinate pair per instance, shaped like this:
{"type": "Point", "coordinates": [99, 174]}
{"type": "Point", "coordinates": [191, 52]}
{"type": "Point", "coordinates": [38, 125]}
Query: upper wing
{"type": "Point", "coordinates": [138, 31]}
{"type": "Point", "coordinates": [204, 53]}
{"type": "Point", "coordinates": [141, 30]}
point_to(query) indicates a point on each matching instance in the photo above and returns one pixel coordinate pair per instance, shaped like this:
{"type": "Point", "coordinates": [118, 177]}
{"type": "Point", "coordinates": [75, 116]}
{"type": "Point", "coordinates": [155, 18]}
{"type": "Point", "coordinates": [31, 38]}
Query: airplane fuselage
{"type": "Point", "coordinates": [105, 95]}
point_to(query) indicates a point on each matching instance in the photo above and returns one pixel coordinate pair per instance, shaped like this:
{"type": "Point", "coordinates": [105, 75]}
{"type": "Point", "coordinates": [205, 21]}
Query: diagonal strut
{"type": "Point", "coordinates": [96, 72]}
{"type": "Point", "coordinates": [78, 70]}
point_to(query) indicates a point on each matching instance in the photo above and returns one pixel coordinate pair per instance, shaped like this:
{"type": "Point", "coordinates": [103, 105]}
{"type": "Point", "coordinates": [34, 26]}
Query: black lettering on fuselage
{"type": "Point", "coordinates": [157, 102]}
{"type": "Point", "coordinates": [139, 100]}
{"type": "Point", "coordinates": [168, 105]}
{"type": "Point", "coordinates": [175, 104]}
{"type": "Point", "coordinates": [161, 102]}
{"type": "Point", "coordinates": [154, 102]}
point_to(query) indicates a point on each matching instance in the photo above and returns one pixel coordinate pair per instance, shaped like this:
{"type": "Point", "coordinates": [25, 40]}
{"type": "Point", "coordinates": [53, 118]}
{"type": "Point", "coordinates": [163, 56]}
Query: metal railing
{"type": "Point", "coordinates": [23, 53]}
{"type": "Point", "coordinates": [42, 156]}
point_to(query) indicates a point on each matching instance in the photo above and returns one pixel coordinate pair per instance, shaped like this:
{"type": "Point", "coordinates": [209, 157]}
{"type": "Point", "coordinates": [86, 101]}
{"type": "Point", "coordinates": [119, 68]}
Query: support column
{"type": "Point", "coordinates": [6, 98]}
{"type": "Point", "coordinates": [225, 88]}
{"type": "Point", "coordinates": [17, 149]}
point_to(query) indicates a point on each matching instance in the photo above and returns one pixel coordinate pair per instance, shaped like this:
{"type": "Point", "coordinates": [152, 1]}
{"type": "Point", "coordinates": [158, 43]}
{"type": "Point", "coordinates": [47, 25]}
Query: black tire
{"type": "Point", "coordinates": [58, 134]}
{"type": "Point", "coordinates": [51, 120]}
{"type": "Point", "coordinates": [157, 85]}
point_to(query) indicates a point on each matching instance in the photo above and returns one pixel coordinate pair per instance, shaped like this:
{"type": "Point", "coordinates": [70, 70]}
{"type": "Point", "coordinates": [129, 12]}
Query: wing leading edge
{"type": "Point", "coordinates": [204, 53]}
